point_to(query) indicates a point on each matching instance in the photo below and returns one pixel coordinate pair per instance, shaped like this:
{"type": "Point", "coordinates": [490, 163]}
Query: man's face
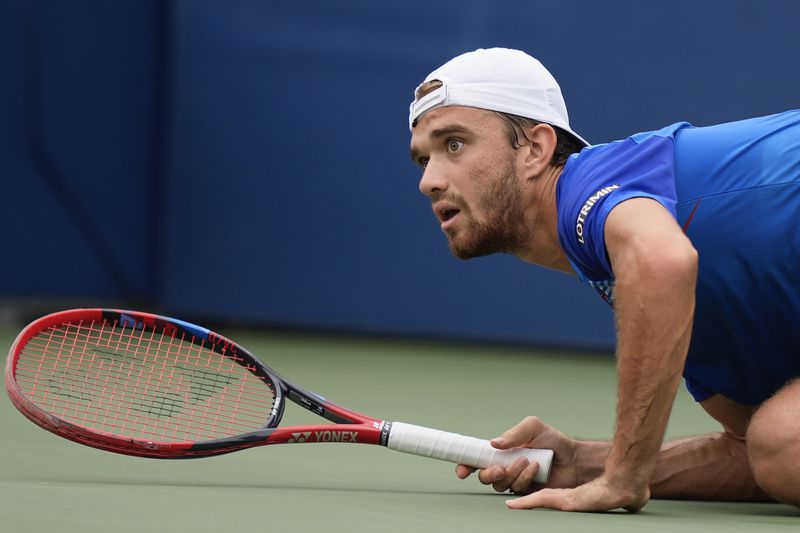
{"type": "Point", "coordinates": [470, 175]}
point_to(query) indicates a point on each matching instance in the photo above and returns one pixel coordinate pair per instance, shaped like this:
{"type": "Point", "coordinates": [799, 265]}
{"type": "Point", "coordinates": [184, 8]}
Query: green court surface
{"type": "Point", "coordinates": [49, 483]}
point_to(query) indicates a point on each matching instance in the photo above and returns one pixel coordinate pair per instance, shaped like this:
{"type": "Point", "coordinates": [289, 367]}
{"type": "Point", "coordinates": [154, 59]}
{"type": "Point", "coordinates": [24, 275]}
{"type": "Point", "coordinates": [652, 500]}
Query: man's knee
{"type": "Point", "coordinates": [773, 445]}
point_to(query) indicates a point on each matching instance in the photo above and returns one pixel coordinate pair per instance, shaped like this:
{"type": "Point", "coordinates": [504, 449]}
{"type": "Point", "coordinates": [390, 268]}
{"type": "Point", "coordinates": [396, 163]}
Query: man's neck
{"type": "Point", "coordinates": [541, 216]}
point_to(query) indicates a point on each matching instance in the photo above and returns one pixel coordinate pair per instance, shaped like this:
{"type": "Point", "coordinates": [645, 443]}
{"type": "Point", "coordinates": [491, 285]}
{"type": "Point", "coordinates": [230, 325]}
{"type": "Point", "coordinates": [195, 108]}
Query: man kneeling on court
{"type": "Point", "coordinates": [688, 233]}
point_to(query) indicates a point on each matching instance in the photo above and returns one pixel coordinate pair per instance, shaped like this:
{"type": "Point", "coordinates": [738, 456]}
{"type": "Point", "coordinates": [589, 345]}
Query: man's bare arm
{"type": "Point", "coordinates": [655, 270]}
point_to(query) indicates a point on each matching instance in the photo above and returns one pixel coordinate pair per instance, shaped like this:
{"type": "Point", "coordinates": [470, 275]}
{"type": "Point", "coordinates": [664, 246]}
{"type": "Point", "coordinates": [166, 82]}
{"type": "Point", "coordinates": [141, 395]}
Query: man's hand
{"type": "Point", "coordinates": [574, 462]}
{"type": "Point", "coordinates": [530, 433]}
{"type": "Point", "coordinates": [596, 496]}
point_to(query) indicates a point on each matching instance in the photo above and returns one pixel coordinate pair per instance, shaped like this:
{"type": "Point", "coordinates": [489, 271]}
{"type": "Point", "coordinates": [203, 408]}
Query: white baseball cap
{"type": "Point", "coordinates": [497, 79]}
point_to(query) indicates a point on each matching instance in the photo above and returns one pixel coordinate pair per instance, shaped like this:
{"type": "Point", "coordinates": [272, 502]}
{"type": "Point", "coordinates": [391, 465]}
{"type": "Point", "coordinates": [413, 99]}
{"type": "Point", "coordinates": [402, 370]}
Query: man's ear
{"type": "Point", "coordinates": [539, 149]}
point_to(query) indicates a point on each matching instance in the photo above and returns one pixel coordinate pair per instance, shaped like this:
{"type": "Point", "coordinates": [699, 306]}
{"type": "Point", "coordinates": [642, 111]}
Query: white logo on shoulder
{"type": "Point", "coordinates": [588, 207]}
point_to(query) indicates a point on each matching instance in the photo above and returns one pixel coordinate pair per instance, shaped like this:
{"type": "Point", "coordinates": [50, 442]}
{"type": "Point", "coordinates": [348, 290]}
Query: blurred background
{"type": "Point", "coordinates": [246, 162]}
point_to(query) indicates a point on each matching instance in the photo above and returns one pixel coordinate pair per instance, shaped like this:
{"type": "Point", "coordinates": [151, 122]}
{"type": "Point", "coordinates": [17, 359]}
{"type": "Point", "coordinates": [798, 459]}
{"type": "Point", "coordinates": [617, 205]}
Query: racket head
{"type": "Point", "coordinates": [142, 384]}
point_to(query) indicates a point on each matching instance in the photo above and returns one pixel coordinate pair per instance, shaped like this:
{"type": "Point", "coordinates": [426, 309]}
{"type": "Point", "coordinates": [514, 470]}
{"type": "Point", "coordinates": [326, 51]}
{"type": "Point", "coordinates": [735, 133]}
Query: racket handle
{"type": "Point", "coordinates": [460, 449]}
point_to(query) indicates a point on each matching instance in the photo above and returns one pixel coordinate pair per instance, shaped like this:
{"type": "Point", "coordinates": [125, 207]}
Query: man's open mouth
{"type": "Point", "coordinates": [447, 214]}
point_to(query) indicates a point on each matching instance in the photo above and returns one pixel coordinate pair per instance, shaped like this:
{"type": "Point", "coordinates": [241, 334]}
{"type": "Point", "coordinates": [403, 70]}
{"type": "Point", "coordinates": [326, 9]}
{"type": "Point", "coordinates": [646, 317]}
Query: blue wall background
{"type": "Point", "coordinates": [248, 160]}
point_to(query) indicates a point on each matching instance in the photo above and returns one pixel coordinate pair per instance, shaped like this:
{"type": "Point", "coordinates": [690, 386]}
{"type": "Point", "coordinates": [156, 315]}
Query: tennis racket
{"type": "Point", "coordinates": [151, 386]}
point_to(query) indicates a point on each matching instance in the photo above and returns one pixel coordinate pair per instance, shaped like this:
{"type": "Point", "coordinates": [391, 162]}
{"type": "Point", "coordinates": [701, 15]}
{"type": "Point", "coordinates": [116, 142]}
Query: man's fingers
{"type": "Point", "coordinates": [490, 475]}
{"type": "Point", "coordinates": [463, 471]}
{"type": "Point", "coordinates": [521, 434]}
{"type": "Point", "coordinates": [503, 483]}
{"type": "Point", "coordinates": [501, 443]}
{"type": "Point", "coordinates": [523, 483]}
{"type": "Point", "coordinates": [547, 498]}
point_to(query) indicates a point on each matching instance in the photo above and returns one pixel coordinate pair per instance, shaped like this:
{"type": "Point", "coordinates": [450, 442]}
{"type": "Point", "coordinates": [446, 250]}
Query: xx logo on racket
{"type": "Point", "coordinates": [300, 437]}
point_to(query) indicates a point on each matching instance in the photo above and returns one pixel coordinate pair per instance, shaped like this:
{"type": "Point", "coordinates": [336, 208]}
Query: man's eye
{"type": "Point", "coordinates": [454, 145]}
{"type": "Point", "coordinates": [422, 162]}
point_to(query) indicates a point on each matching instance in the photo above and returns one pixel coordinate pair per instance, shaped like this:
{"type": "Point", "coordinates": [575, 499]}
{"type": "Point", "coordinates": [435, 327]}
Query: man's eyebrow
{"type": "Point", "coordinates": [439, 133]}
{"type": "Point", "coordinates": [448, 130]}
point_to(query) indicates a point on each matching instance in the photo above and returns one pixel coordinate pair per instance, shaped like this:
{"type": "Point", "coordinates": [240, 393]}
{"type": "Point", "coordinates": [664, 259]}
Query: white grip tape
{"type": "Point", "coordinates": [460, 449]}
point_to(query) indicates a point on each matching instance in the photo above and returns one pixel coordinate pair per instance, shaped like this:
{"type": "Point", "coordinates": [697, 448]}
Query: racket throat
{"type": "Point", "coordinates": [307, 402]}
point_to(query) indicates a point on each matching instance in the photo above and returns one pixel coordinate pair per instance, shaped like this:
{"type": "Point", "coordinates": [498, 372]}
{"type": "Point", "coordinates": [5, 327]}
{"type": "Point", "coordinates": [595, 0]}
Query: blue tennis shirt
{"type": "Point", "coordinates": [735, 190]}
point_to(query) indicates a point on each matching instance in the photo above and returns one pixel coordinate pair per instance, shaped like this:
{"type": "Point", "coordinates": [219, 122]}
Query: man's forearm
{"type": "Point", "coordinates": [654, 320]}
{"type": "Point", "coordinates": [646, 391]}
{"type": "Point", "coordinates": [706, 467]}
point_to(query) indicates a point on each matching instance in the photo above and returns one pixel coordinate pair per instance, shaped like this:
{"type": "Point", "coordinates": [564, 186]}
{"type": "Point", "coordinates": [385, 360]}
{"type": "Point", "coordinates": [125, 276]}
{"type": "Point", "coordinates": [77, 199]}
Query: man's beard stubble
{"type": "Point", "coordinates": [505, 231]}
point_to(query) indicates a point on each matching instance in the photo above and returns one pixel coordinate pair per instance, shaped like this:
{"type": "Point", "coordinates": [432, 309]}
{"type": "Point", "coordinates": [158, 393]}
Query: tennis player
{"type": "Point", "coordinates": [689, 233]}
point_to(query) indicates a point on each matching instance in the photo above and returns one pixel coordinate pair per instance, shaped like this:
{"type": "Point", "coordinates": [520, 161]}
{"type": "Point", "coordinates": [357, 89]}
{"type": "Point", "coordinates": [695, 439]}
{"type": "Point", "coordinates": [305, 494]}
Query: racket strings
{"type": "Point", "coordinates": [150, 384]}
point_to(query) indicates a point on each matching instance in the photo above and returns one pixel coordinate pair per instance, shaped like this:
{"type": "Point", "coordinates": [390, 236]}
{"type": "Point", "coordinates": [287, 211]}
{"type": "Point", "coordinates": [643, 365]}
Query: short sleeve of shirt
{"type": "Point", "coordinates": [601, 177]}
{"type": "Point", "coordinates": [698, 391]}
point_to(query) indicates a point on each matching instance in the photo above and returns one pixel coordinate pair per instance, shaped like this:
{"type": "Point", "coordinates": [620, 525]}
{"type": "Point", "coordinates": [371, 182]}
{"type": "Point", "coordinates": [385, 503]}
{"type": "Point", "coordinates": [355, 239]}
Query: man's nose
{"type": "Point", "coordinates": [433, 181]}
